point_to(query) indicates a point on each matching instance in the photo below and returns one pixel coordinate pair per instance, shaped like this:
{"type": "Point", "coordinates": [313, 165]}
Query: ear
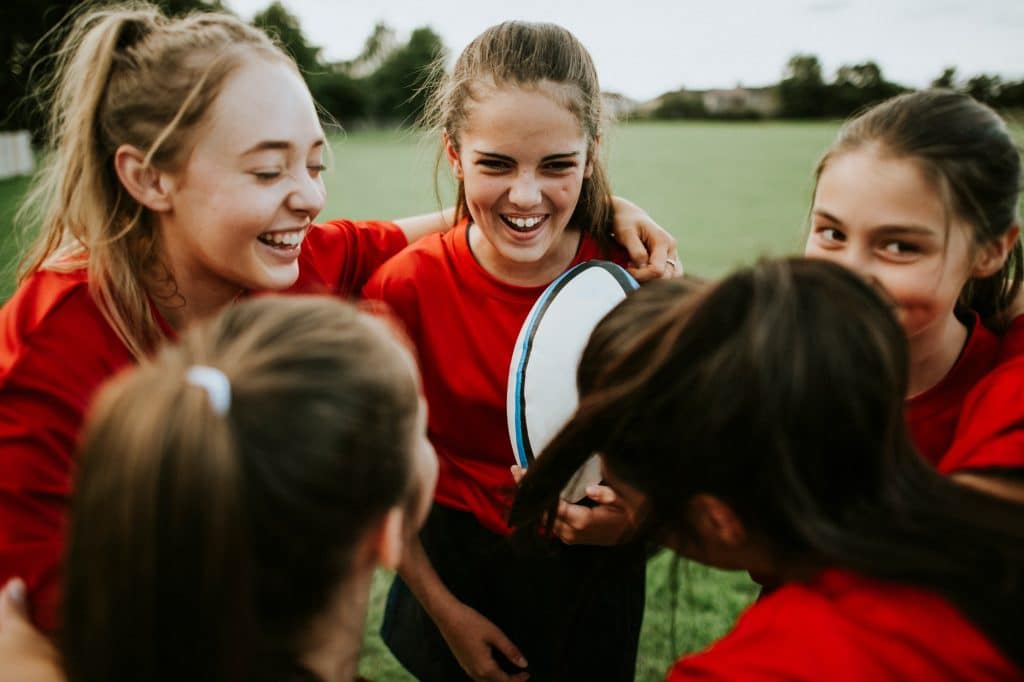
{"type": "Point", "coordinates": [147, 185]}
{"type": "Point", "coordinates": [388, 539]}
{"type": "Point", "coordinates": [452, 154]}
{"type": "Point", "coordinates": [588, 170]}
{"type": "Point", "coordinates": [716, 522]}
{"type": "Point", "coordinates": [992, 255]}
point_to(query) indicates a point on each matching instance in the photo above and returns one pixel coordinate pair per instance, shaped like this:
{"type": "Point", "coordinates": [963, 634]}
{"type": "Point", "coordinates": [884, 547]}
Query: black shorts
{"type": "Point", "coordinates": [574, 612]}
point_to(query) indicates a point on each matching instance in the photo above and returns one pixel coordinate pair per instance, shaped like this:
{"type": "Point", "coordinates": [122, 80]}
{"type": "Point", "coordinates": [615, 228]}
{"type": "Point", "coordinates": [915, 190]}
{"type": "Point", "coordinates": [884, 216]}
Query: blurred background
{"type": "Point", "coordinates": [722, 111]}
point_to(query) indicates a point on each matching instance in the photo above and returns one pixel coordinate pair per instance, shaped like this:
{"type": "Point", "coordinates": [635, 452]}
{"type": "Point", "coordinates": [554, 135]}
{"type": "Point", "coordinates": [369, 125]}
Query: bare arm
{"type": "Point", "coordinates": [419, 226]}
{"type": "Point", "coordinates": [25, 654]}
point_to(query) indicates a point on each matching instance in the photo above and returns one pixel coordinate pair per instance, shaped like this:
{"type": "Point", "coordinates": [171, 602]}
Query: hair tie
{"type": "Point", "coordinates": [216, 385]}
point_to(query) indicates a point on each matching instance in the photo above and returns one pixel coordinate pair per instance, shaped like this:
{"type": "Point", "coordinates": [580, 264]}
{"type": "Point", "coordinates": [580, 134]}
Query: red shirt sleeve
{"type": "Point", "coordinates": [339, 256]}
{"type": "Point", "coordinates": [990, 431]}
{"type": "Point", "coordinates": [55, 352]}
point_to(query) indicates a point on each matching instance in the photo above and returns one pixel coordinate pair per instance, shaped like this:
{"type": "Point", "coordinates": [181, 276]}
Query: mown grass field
{"type": "Point", "coordinates": [729, 192]}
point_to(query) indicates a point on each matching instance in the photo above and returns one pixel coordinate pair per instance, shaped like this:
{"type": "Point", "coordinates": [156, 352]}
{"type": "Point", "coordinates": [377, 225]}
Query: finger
{"type": "Point", "coordinates": [564, 532]}
{"type": "Point", "coordinates": [576, 516]}
{"type": "Point", "coordinates": [499, 641]}
{"type": "Point", "coordinates": [602, 494]}
{"type": "Point", "coordinates": [629, 239]}
{"type": "Point", "coordinates": [13, 602]}
{"type": "Point", "coordinates": [517, 472]}
{"type": "Point", "coordinates": [644, 273]}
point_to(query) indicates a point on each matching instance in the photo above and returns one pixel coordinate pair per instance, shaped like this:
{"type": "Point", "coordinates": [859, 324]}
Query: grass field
{"type": "Point", "coordinates": [729, 192]}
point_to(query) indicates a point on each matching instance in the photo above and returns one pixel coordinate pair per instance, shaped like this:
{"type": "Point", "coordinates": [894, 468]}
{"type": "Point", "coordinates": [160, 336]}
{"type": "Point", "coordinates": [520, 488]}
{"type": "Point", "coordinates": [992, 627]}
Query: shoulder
{"type": "Point", "coordinates": [339, 255]}
{"type": "Point", "coordinates": [49, 303]}
{"type": "Point", "coordinates": [426, 259]}
{"type": "Point", "coordinates": [990, 430]}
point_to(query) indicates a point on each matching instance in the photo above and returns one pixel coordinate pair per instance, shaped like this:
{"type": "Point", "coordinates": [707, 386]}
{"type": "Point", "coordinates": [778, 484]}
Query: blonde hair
{"type": "Point", "coordinates": [245, 511]}
{"type": "Point", "coordinates": [527, 54]}
{"type": "Point", "coordinates": [125, 75]}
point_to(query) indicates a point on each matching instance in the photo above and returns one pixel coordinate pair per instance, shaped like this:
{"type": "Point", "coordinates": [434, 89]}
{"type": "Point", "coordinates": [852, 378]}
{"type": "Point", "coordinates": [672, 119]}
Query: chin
{"type": "Point", "coordinates": [276, 280]}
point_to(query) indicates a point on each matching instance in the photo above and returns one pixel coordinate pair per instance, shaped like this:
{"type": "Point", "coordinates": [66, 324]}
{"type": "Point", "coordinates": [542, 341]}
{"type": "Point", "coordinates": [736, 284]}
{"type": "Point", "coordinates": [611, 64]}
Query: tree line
{"type": "Point", "coordinates": [803, 93]}
{"type": "Point", "coordinates": [383, 84]}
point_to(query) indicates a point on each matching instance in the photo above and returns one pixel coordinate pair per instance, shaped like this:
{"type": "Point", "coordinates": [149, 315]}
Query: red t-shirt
{"type": "Point", "coordinates": [843, 627]}
{"type": "Point", "coordinates": [56, 349]}
{"type": "Point", "coordinates": [933, 415]}
{"type": "Point", "coordinates": [990, 433]}
{"type": "Point", "coordinates": [464, 323]}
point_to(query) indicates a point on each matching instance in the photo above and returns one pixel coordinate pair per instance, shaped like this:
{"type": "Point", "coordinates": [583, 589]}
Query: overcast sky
{"type": "Point", "coordinates": [643, 48]}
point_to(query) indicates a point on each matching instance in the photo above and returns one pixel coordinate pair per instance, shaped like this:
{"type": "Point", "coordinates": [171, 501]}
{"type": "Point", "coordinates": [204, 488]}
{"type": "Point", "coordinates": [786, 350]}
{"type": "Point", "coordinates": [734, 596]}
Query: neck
{"type": "Point", "coordinates": [528, 274]}
{"type": "Point", "coordinates": [337, 635]}
{"type": "Point", "coordinates": [933, 354]}
{"type": "Point", "coordinates": [184, 292]}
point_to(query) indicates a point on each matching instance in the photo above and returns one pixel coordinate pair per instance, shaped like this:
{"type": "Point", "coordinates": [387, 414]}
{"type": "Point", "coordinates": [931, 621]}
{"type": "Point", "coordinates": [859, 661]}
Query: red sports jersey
{"type": "Point", "coordinates": [843, 627]}
{"type": "Point", "coordinates": [933, 415]}
{"type": "Point", "coordinates": [464, 323]}
{"type": "Point", "coordinates": [56, 348]}
{"type": "Point", "coordinates": [990, 433]}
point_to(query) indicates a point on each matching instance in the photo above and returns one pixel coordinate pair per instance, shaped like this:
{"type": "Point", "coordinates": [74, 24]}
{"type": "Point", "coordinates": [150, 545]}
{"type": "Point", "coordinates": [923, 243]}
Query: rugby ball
{"type": "Point", "coordinates": [542, 393]}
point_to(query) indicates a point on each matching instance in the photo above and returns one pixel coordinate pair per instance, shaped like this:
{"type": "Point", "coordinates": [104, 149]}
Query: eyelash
{"type": "Point", "coordinates": [555, 166]}
{"type": "Point", "coordinates": [316, 169]}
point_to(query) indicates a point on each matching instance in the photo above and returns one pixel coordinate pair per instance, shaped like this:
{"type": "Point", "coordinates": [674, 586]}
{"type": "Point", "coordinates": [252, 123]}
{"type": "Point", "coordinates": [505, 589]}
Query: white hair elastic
{"type": "Point", "coordinates": [215, 383]}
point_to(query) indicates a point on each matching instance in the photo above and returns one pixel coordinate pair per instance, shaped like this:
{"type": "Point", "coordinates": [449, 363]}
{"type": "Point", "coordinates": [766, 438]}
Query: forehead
{"type": "Point", "coordinates": [510, 116]}
{"type": "Point", "coordinates": [868, 186]}
{"type": "Point", "coordinates": [264, 99]}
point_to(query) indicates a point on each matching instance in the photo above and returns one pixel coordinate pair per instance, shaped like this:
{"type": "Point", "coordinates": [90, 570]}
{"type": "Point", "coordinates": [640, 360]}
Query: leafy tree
{"type": "Point", "coordinates": [396, 89]}
{"type": "Point", "coordinates": [947, 79]}
{"type": "Point", "coordinates": [680, 105]}
{"type": "Point", "coordinates": [802, 90]}
{"type": "Point", "coordinates": [859, 86]}
{"type": "Point", "coordinates": [984, 88]}
{"type": "Point", "coordinates": [277, 21]}
{"type": "Point", "coordinates": [32, 32]}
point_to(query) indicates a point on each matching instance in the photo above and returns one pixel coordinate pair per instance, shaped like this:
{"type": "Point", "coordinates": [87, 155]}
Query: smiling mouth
{"type": "Point", "coordinates": [524, 224]}
{"type": "Point", "coordinates": [283, 240]}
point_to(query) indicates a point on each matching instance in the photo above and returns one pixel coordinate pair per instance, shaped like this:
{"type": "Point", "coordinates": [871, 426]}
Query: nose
{"type": "Point", "coordinates": [307, 196]}
{"type": "Point", "coordinates": [525, 190]}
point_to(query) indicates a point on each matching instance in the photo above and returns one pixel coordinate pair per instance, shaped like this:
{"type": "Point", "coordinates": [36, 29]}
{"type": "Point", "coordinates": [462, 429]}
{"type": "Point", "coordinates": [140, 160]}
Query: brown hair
{"type": "Point", "coordinates": [203, 543]}
{"type": "Point", "coordinates": [780, 391]}
{"type": "Point", "coordinates": [965, 148]}
{"type": "Point", "coordinates": [125, 75]}
{"type": "Point", "coordinates": [527, 54]}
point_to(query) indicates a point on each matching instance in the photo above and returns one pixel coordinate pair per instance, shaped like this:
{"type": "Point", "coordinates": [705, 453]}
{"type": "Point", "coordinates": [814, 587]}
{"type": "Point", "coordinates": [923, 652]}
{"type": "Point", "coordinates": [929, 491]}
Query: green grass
{"type": "Point", "coordinates": [729, 192]}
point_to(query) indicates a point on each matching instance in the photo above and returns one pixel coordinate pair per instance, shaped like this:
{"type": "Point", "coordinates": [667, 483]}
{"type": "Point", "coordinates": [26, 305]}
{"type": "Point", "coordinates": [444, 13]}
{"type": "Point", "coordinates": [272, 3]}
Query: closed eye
{"type": "Point", "coordinates": [494, 164]}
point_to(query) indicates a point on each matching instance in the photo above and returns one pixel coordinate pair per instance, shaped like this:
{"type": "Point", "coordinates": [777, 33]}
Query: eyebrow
{"type": "Point", "coordinates": [549, 157]}
{"type": "Point", "coordinates": [270, 145]}
{"type": "Point", "coordinates": [886, 229]}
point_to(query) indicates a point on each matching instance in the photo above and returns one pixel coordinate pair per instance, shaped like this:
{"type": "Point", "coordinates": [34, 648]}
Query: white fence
{"type": "Point", "coordinates": [16, 156]}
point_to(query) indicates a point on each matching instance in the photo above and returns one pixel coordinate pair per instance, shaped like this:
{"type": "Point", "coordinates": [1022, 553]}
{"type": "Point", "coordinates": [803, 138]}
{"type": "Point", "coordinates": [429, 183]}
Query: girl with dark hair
{"type": "Point", "coordinates": [920, 194]}
{"type": "Point", "coordinates": [760, 426]}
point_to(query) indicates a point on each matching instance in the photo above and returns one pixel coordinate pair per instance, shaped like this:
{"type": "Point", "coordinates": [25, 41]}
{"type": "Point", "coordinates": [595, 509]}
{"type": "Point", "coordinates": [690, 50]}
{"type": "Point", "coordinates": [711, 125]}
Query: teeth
{"type": "Point", "coordinates": [524, 222]}
{"type": "Point", "coordinates": [293, 238]}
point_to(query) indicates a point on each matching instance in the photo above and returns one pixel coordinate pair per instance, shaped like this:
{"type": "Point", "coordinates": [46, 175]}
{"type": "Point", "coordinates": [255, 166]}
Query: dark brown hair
{"type": "Point", "coordinates": [780, 391]}
{"type": "Point", "coordinates": [966, 150]}
{"type": "Point", "coordinates": [203, 544]}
